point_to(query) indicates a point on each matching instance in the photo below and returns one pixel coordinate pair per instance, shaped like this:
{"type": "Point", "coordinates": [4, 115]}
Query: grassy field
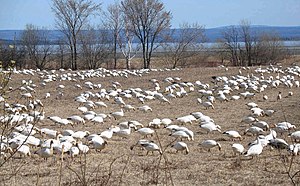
{"type": "Point", "coordinates": [118, 165]}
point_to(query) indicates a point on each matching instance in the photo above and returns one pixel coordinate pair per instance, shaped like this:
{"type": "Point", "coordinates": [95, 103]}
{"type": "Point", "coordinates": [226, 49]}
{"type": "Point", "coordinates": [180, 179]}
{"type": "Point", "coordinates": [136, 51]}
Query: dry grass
{"type": "Point", "coordinates": [118, 165]}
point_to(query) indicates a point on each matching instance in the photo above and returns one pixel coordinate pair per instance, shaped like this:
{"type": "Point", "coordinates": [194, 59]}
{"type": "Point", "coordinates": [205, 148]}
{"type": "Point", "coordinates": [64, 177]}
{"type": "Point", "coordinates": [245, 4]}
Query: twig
{"type": "Point", "coordinates": [124, 168]}
{"type": "Point", "coordinates": [165, 157]}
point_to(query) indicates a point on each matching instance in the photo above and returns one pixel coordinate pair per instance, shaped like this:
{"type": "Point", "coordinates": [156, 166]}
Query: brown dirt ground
{"type": "Point", "coordinates": [118, 165]}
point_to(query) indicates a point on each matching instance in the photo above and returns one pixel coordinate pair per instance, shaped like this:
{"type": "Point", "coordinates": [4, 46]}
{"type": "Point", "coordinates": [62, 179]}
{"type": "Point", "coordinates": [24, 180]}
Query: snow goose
{"type": "Point", "coordinates": [63, 147]}
{"type": "Point", "coordinates": [124, 132]}
{"type": "Point", "coordinates": [261, 124]}
{"type": "Point", "coordinates": [221, 97]}
{"type": "Point", "coordinates": [172, 128]}
{"type": "Point", "coordinates": [107, 134]}
{"type": "Point", "coordinates": [83, 148]}
{"type": "Point", "coordinates": [67, 132]}
{"type": "Point", "coordinates": [24, 150]}
{"type": "Point", "coordinates": [208, 104]}
{"type": "Point", "coordinates": [181, 146]}
{"type": "Point", "coordinates": [249, 119]}
{"type": "Point", "coordinates": [80, 134]}
{"type": "Point", "coordinates": [247, 95]}
{"type": "Point", "coordinates": [263, 141]}
{"type": "Point", "coordinates": [252, 105]}
{"type": "Point", "coordinates": [210, 126]}
{"type": "Point", "coordinates": [140, 142]}
{"type": "Point", "coordinates": [233, 134]}
{"type": "Point", "coordinates": [54, 119]}
{"type": "Point", "coordinates": [117, 115]}
{"type": "Point", "coordinates": [181, 134]}
{"type": "Point", "coordinates": [33, 141]}
{"type": "Point", "coordinates": [295, 136]}
{"type": "Point", "coordinates": [166, 121]}
{"type": "Point", "coordinates": [145, 131]}
{"type": "Point", "coordinates": [155, 123]}
{"type": "Point", "coordinates": [151, 147]}
{"type": "Point", "coordinates": [45, 152]}
{"type": "Point", "coordinates": [288, 125]}
{"type": "Point", "coordinates": [98, 143]}
{"type": "Point", "coordinates": [294, 149]}
{"type": "Point", "coordinates": [237, 148]}
{"type": "Point", "coordinates": [49, 132]}
{"type": "Point", "coordinates": [88, 116]}
{"type": "Point", "coordinates": [128, 107]}
{"type": "Point", "coordinates": [256, 112]}
{"type": "Point", "coordinates": [255, 149]}
{"type": "Point", "coordinates": [208, 144]}
{"type": "Point", "coordinates": [145, 108]}
{"type": "Point", "coordinates": [76, 119]}
{"type": "Point", "coordinates": [100, 104]}
{"type": "Point", "coordinates": [279, 143]}
{"type": "Point", "coordinates": [64, 122]}
{"type": "Point", "coordinates": [197, 115]}
{"type": "Point", "coordinates": [254, 130]}
{"type": "Point", "coordinates": [74, 151]}
{"type": "Point", "coordinates": [235, 97]}
{"type": "Point", "coordinates": [119, 101]}
{"type": "Point", "coordinates": [187, 131]}
{"type": "Point", "coordinates": [271, 135]}
{"type": "Point", "coordinates": [269, 112]}
{"type": "Point", "coordinates": [97, 119]}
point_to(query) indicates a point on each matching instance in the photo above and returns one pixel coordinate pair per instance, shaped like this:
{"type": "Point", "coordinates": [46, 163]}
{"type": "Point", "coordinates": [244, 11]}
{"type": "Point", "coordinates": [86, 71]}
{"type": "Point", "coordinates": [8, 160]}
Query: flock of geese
{"type": "Point", "coordinates": [28, 137]}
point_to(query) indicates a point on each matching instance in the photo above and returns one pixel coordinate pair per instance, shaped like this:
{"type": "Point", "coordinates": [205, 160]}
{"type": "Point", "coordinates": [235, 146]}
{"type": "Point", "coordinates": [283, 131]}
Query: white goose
{"type": "Point", "coordinates": [210, 126]}
{"type": "Point", "coordinates": [83, 148]}
{"type": "Point", "coordinates": [208, 144]}
{"type": "Point", "coordinates": [124, 132]}
{"type": "Point", "coordinates": [233, 134]}
{"type": "Point", "coordinates": [145, 131]}
{"type": "Point", "coordinates": [255, 149]}
{"type": "Point", "coordinates": [181, 134]}
{"type": "Point", "coordinates": [117, 115]}
{"type": "Point", "coordinates": [24, 150]}
{"type": "Point", "coordinates": [151, 147]}
{"type": "Point", "coordinates": [45, 152]}
{"type": "Point", "coordinates": [295, 136]}
{"type": "Point", "coordinates": [76, 119]}
{"type": "Point", "coordinates": [237, 148]}
{"type": "Point", "coordinates": [98, 143]}
{"type": "Point", "coordinates": [181, 146]}
{"type": "Point", "coordinates": [80, 134]}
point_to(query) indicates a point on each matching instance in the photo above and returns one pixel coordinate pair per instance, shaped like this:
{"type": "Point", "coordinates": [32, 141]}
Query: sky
{"type": "Point", "coordinates": [15, 14]}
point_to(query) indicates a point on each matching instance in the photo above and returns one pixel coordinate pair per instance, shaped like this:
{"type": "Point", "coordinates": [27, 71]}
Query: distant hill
{"type": "Point", "coordinates": [212, 34]}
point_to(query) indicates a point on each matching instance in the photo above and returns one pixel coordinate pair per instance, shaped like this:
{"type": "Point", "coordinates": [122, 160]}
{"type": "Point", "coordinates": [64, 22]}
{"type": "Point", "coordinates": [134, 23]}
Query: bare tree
{"type": "Point", "coordinates": [270, 49]}
{"type": "Point", "coordinates": [183, 43]}
{"type": "Point", "coordinates": [71, 17]}
{"type": "Point", "coordinates": [96, 47]}
{"type": "Point", "coordinates": [61, 52]}
{"type": "Point", "coordinates": [37, 45]}
{"type": "Point", "coordinates": [231, 44]}
{"type": "Point", "coordinates": [114, 22]}
{"type": "Point", "coordinates": [127, 46]}
{"type": "Point", "coordinates": [220, 51]}
{"type": "Point", "coordinates": [249, 39]}
{"type": "Point", "coordinates": [10, 52]}
{"type": "Point", "coordinates": [148, 19]}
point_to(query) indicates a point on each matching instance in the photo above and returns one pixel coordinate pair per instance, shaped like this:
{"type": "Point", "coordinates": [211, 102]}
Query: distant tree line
{"type": "Point", "coordinates": [244, 48]}
{"type": "Point", "coordinates": [85, 45]}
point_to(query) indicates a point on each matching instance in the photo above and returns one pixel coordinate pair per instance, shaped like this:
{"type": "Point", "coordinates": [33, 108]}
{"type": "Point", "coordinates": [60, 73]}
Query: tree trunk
{"type": "Point", "coordinates": [115, 53]}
